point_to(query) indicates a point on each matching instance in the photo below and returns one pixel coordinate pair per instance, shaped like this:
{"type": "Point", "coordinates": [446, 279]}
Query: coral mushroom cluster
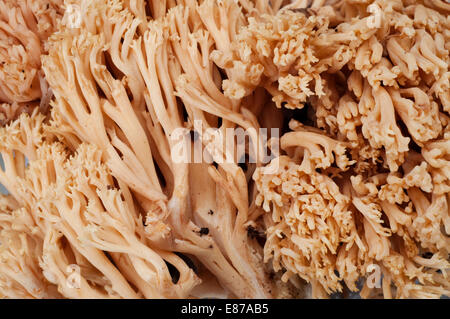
{"type": "Point", "coordinates": [99, 207]}
{"type": "Point", "coordinates": [25, 26]}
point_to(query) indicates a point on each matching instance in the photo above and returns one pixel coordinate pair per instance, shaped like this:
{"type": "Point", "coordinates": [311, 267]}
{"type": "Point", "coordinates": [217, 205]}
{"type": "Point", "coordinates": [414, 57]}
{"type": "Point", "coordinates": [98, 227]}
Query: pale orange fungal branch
{"type": "Point", "coordinates": [323, 151]}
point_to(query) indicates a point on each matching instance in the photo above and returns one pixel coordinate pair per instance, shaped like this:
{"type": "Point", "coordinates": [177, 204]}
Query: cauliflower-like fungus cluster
{"type": "Point", "coordinates": [25, 26]}
{"type": "Point", "coordinates": [355, 200]}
